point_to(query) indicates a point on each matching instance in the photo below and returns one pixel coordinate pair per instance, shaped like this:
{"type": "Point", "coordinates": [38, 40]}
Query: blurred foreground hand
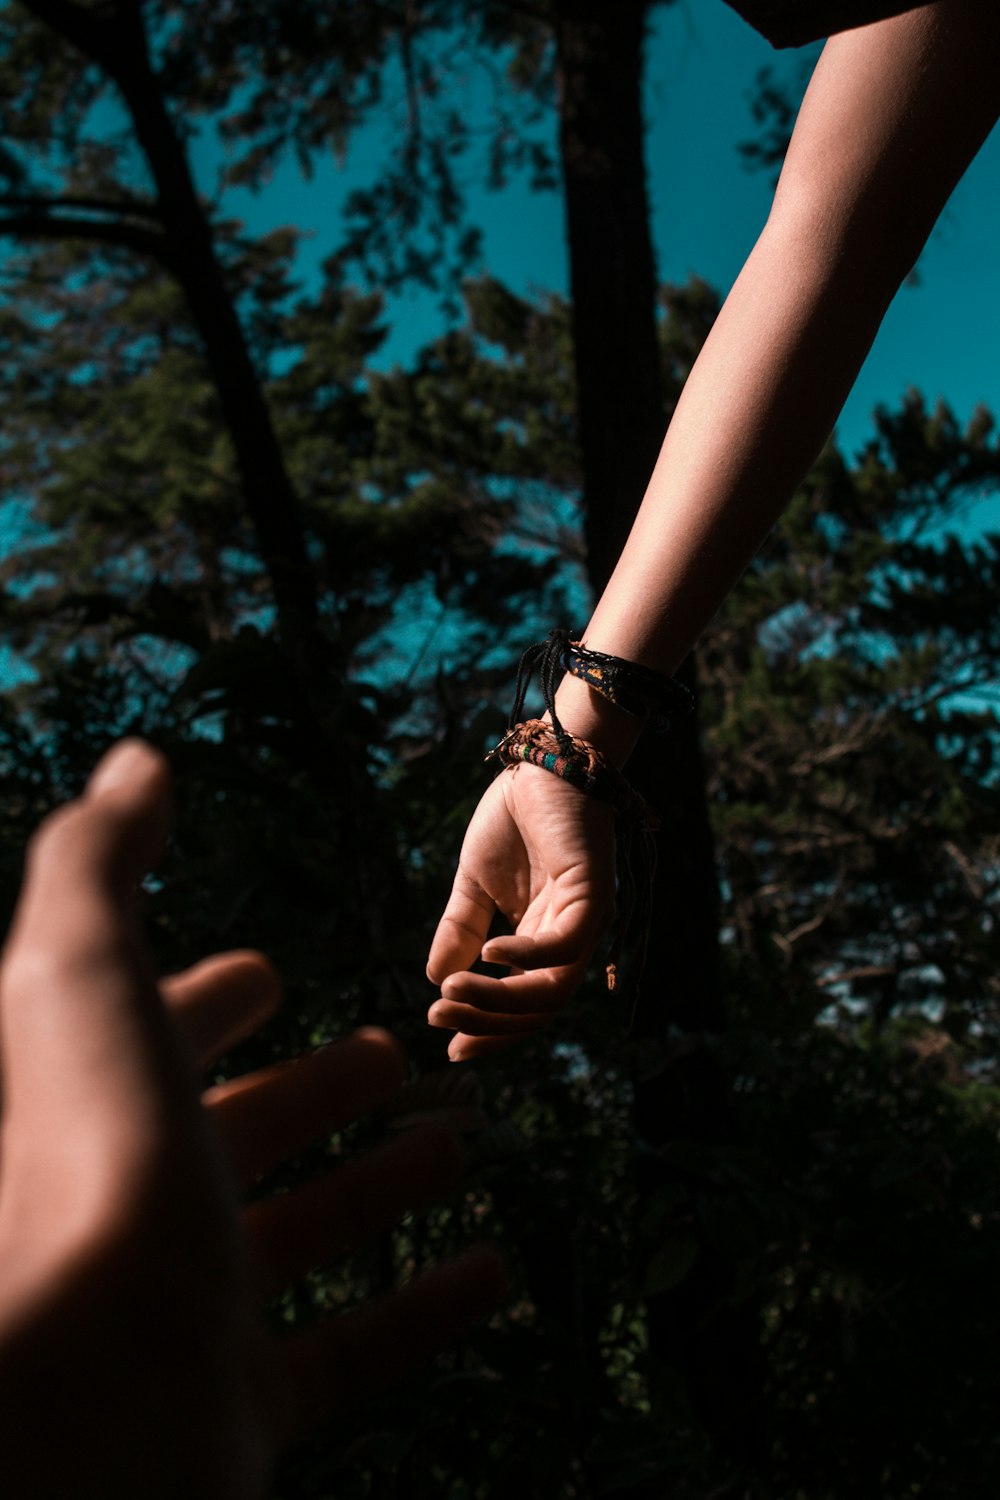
{"type": "Point", "coordinates": [132, 1361]}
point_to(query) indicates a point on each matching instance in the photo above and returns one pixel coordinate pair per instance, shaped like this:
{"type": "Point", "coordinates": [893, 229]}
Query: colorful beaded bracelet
{"type": "Point", "coordinates": [578, 762]}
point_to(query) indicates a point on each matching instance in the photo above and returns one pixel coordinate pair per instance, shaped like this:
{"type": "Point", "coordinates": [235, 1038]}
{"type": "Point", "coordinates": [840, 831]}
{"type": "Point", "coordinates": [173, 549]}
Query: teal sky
{"type": "Point", "coordinates": [940, 336]}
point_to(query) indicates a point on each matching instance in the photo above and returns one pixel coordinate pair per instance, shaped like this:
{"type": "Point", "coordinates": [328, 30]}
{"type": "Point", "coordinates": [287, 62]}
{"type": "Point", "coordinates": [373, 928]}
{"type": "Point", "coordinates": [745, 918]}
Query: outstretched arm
{"type": "Point", "coordinates": [892, 117]}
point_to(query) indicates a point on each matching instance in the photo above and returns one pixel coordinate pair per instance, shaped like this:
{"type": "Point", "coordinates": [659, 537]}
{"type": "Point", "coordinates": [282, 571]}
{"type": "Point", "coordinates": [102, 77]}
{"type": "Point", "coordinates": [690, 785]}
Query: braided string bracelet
{"type": "Point", "coordinates": [577, 761]}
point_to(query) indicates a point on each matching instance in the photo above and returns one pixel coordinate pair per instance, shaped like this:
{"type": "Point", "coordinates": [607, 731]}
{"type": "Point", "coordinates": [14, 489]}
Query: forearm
{"type": "Point", "coordinates": [867, 175]}
{"type": "Point", "coordinates": [757, 408]}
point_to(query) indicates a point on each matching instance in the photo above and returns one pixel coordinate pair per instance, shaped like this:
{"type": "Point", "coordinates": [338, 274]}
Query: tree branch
{"type": "Point", "coordinates": [862, 971]}
{"type": "Point", "coordinates": [83, 27]}
{"type": "Point", "coordinates": [46, 226]}
{"type": "Point", "coordinates": [162, 612]}
{"type": "Point", "coordinates": [96, 31]}
{"type": "Point", "coordinates": [28, 203]}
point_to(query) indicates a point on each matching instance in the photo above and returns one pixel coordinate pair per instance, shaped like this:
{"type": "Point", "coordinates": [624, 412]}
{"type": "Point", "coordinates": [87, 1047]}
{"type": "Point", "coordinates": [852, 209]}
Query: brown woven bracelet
{"type": "Point", "coordinates": [577, 761]}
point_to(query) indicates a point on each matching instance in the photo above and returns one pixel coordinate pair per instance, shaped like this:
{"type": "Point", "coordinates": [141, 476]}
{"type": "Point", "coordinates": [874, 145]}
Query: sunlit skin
{"type": "Point", "coordinates": [892, 117]}
{"type": "Point", "coordinates": [132, 1357]}
{"type": "Point", "coordinates": [543, 855]}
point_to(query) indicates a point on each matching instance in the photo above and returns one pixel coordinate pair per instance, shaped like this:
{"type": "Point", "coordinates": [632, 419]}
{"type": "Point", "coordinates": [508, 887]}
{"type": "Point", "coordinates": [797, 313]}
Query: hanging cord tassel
{"type": "Point", "coordinates": [548, 659]}
{"type": "Point", "coordinates": [635, 868]}
{"type": "Point", "coordinates": [637, 847]}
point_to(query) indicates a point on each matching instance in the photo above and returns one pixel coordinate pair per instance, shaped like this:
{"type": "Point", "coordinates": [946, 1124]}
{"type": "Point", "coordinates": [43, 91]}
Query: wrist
{"type": "Point", "coordinates": [590, 717]}
{"type": "Point", "coordinates": [603, 701]}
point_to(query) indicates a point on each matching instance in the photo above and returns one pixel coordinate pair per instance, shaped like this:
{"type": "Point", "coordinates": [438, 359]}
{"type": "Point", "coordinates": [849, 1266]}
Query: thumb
{"type": "Point", "coordinates": [462, 930]}
{"type": "Point", "coordinates": [89, 1056]}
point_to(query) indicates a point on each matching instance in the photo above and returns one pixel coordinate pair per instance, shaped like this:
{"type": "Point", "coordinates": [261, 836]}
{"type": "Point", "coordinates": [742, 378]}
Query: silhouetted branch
{"type": "Point", "coordinates": [36, 203]}
{"type": "Point", "coordinates": [107, 231]}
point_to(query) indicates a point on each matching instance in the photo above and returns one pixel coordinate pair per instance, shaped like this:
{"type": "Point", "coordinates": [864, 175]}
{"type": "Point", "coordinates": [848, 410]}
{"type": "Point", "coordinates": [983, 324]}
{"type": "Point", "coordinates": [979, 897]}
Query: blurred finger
{"type": "Point", "coordinates": [464, 1048]}
{"type": "Point", "coordinates": [94, 849]}
{"type": "Point", "coordinates": [85, 1034]}
{"type": "Point", "coordinates": [271, 1114]}
{"type": "Point", "coordinates": [362, 1352]}
{"type": "Point", "coordinates": [299, 1231]}
{"type": "Point", "coordinates": [462, 930]}
{"type": "Point", "coordinates": [221, 1000]}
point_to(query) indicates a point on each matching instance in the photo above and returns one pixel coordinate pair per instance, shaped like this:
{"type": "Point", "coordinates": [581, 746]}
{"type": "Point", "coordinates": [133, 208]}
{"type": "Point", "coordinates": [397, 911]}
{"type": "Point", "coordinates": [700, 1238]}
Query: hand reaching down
{"type": "Point", "coordinates": [131, 1357]}
{"type": "Point", "coordinates": [542, 854]}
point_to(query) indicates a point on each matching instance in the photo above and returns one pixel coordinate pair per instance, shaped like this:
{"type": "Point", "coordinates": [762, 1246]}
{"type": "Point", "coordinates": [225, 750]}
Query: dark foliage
{"type": "Point", "coordinates": [837, 1226]}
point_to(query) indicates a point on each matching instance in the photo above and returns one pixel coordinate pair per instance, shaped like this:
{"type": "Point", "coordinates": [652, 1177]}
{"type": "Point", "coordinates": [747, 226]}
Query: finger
{"type": "Point", "coordinates": [133, 779]}
{"type": "Point", "coordinates": [464, 1048]}
{"type": "Point", "coordinates": [85, 1037]}
{"type": "Point", "coordinates": [299, 1231]}
{"type": "Point", "coordinates": [473, 1022]}
{"type": "Point", "coordinates": [443, 1098]}
{"type": "Point", "coordinates": [362, 1352]}
{"type": "Point", "coordinates": [462, 930]}
{"type": "Point", "coordinates": [514, 994]}
{"type": "Point", "coordinates": [86, 858]}
{"type": "Point", "coordinates": [221, 1000]}
{"type": "Point", "coordinates": [553, 949]}
{"type": "Point", "coordinates": [271, 1114]}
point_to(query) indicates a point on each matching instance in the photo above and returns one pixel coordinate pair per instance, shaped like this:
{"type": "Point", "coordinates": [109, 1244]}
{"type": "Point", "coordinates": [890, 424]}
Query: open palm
{"type": "Point", "coordinates": [132, 1360]}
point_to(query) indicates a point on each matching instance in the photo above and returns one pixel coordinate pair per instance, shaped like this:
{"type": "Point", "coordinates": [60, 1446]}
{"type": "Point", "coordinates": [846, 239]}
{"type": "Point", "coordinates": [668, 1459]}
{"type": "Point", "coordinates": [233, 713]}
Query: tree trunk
{"type": "Point", "coordinates": [331, 750]}
{"type": "Point", "coordinates": [271, 501]}
{"type": "Point", "coordinates": [612, 274]}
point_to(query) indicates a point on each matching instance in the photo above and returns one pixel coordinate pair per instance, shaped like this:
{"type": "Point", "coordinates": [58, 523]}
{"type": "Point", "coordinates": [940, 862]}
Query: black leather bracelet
{"type": "Point", "coordinates": [636, 690]}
